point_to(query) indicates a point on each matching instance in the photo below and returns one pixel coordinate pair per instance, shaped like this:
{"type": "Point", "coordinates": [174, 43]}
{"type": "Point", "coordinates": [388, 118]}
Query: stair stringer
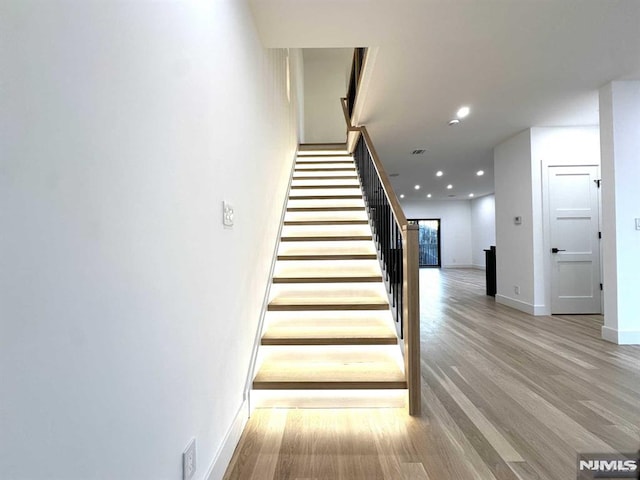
{"type": "Point", "coordinates": [246, 394]}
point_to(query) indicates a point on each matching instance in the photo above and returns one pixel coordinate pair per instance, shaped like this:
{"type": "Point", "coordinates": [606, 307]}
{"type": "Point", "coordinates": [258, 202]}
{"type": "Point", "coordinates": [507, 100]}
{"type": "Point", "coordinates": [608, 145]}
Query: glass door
{"type": "Point", "coordinates": [429, 242]}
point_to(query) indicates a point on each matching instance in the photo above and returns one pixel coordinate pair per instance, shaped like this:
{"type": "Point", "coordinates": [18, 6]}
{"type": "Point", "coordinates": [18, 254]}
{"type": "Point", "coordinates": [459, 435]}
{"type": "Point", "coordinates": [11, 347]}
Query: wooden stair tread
{"type": "Point", "coordinates": [297, 233]}
{"type": "Point", "coordinates": [325, 190]}
{"type": "Point", "coordinates": [321, 176]}
{"type": "Point", "coordinates": [318, 330]}
{"type": "Point", "coordinates": [324, 167]}
{"type": "Point", "coordinates": [326, 222]}
{"type": "Point", "coordinates": [309, 368]}
{"type": "Point", "coordinates": [329, 256]}
{"type": "Point", "coordinates": [337, 159]}
{"type": "Point", "coordinates": [298, 186]}
{"type": "Point", "coordinates": [326, 229]}
{"type": "Point", "coordinates": [320, 182]}
{"type": "Point", "coordinates": [327, 238]}
{"type": "Point", "coordinates": [327, 250]}
{"type": "Point", "coordinates": [324, 197]}
{"type": "Point", "coordinates": [328, 279]}
{"type": "Point", "coordinates": [313, 147]}
{"type": "Point", "coordinates": [324, 209]}
{"type": "Point", "coordinates": [327, 216]}
{"type": "Point", "coordinates": [331, 297]}
{"type": "Point", "coordinates": [324, 271]}
{"type": "Point", "coordinates": [326, 179]}
{"type": "Point", "coordinates": [335, 204]}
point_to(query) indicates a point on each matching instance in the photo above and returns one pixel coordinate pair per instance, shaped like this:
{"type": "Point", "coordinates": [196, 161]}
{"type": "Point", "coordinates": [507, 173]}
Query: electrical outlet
{"type": "Point", "coordinates": [516, 289]}
{"type": "Point", "coordinates": [189, 461]}
{"type": "Point", "coordinates": [227, 215]}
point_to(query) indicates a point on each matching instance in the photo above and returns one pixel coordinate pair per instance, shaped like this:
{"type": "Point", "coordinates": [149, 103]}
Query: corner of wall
{"type": "Point", "coordinates": [531, 309]}
{"type": "Point", "coordinates": [620, 337]}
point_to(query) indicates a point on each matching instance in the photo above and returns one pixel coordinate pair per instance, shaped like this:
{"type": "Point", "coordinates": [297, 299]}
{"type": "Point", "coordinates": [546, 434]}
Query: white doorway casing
{"type": "Point", "coordinates": [562, 147]}
{"type": "Point", "coordinates": [573, 219]}
{"type": "Point", "coordinates": [620, 137]}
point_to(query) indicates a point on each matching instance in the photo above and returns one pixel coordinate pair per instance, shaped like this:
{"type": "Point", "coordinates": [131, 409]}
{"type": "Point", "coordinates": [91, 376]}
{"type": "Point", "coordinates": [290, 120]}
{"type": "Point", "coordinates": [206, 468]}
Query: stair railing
{"type": "Point", "coordinates": [397, 242]}
{"type": "Point", "coordinates": [354, 80]}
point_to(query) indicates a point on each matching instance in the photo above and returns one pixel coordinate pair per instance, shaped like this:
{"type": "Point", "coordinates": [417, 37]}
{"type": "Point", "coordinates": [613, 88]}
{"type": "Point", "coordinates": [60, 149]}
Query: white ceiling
{"type": "Point", "coordinates": [516, 63]}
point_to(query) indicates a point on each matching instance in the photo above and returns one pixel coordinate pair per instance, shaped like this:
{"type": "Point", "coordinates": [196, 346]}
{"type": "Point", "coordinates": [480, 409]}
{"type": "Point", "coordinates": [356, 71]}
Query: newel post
{"type": "Point", "coordinates": [411, 314]}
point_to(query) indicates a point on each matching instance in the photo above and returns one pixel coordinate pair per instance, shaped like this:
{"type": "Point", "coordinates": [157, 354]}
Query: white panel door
{"type": "Point", "coordinates": [575, 254]}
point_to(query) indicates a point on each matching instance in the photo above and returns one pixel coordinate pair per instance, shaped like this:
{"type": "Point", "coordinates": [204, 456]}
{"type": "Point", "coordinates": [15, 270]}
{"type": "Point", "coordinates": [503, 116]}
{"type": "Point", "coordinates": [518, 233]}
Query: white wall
{"type": "Point", "coordinates": [326, 79]}
{"type": "Point", "coordinates": [455, 227]}
{"type": "Point", "coordinates": [620, 139]}
{"type": "Point", "coordinates": [514, 243]}
{"type": "Point", "coordinates": [483, 228]}
{"type": "Point", "coordinates": [127, 312]}
{"type": "Point", "coordinates": [566, 145]}
{"type": "Point", "coordinates": [296, 68]}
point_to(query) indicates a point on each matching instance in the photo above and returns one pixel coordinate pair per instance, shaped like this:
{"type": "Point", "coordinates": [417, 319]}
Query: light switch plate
{"type": "Point", "coordinates": [637, 223]}
{"type": "Point", "coordinates": [227, 215]}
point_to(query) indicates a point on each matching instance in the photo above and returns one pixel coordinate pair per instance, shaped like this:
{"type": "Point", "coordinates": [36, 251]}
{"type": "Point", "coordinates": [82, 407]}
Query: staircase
{"type": "Point", "coordinates": [328, 326]}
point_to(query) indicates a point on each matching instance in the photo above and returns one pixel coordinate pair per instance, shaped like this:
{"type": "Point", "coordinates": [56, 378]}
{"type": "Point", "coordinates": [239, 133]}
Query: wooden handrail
{"type": "Point", "coordinates": [345, 112]}
{"type": "Point", "coordinates": [410, 269]}
{"type": "Point", "coordinates": [382, 173]}
{"type": "Point", "coordinates": [384, 178]}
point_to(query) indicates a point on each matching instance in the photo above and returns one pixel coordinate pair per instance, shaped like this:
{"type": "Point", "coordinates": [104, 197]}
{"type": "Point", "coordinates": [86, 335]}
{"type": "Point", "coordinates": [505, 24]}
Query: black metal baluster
{"type": "Point", "coordinates": [386, 231]}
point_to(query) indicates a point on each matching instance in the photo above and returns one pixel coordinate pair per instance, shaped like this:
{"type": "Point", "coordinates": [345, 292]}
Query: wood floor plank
{"type": "Point", "coordinates": [413, 471]}
{"type": "Point", "coordinates": [267, 459]}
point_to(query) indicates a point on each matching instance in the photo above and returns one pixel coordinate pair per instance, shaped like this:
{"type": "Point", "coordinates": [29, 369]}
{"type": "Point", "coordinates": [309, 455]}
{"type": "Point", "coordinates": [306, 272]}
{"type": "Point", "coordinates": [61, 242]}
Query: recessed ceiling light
{"type": "Point", "coordinates": [463, 112]}
{"type": "Point", "coordinates": [418, 151]}
{"type": "Point", "coordinates": [449, 187]}
{"type": "Point", "coordinates": [428, 195]}
{"type": "Point", "coordinates": [402, 195]}
{"type": "Point", "coordinates": [471, 194]}
{"type": "Point", "coordinates": [439, 173]}
{"type": "Point", "coordinates": [454, 122]}
{"type": "Point", "coordinates": [417, 187]}
{"type": "Point", "coordinates": [480, 173]}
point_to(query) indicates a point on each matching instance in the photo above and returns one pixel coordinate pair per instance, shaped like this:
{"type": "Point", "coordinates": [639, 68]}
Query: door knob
{"type": "Point", "coordinates": [556, 250]}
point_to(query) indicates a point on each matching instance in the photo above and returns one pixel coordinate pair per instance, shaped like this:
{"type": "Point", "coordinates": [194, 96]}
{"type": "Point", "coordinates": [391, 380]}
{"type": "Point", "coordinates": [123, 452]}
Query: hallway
{"type": "Point", "coordinates": [505, 396]}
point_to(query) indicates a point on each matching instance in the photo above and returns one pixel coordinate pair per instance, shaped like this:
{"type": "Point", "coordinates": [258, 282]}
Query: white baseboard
{"type": "Point", "coordinates": [621, 337]}
{"type": "Point", "coordinates": [522, 306]}
{"type": "Point", "coordinates": [478, 267]}
{"type": "Point", "coordinates": [456, 265]}
{"type": "Point", "coordinates": [231, 439]}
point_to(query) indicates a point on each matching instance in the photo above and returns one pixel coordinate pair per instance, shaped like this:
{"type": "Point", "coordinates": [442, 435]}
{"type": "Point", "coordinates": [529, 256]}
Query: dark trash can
{"type": "Point", "coordinates": [490, 262]}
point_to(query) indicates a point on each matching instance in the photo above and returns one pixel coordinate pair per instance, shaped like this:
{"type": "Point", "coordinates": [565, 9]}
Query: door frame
{"type": "Point", "coordinates": [546, 214]}
{"type": "Point", "coordinates": [417, 220]}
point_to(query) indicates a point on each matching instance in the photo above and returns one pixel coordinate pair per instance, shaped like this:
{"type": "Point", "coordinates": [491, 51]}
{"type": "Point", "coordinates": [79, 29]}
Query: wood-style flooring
{"type": "Point", "coordinates": [505, 396]}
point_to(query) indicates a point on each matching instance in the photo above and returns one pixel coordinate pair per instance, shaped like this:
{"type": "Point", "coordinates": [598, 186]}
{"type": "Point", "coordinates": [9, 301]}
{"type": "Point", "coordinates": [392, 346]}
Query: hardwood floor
{"type": "Point", "coordinates": [505, 396]}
